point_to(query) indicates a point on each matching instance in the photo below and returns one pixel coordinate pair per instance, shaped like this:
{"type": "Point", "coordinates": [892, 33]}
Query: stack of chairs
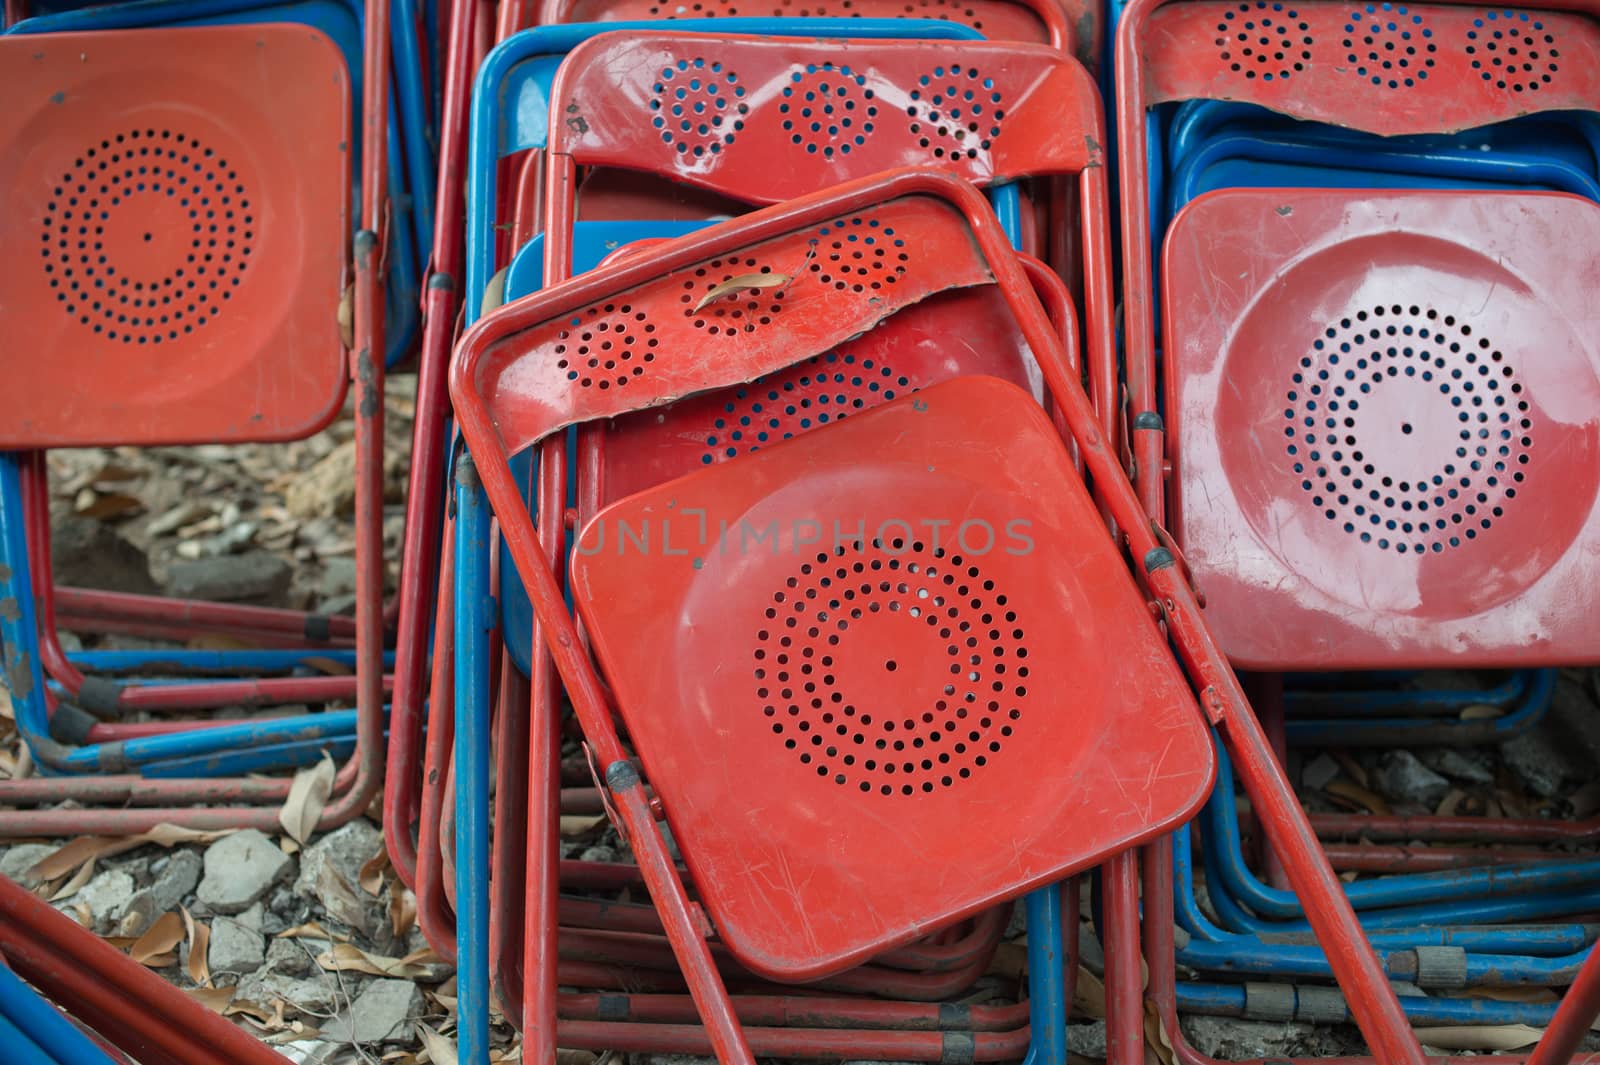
{"type": "Point", "coordinates": [805, 395]}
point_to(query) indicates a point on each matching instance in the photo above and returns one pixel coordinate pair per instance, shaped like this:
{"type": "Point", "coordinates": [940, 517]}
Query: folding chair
{"type": "Point", "coordinates": [1042, 90]}
{"type": "Point", "coordinates": [1377, 546]}
{"type": "Point", "coordinates": [131, 1008]}
{"type": "Point", "coordinates": [155, 244]}
{"type": "Point", "coordinates": [511, 389]}
{"type": "Point", "coordinates": [509, 118]}
{"type": "Point", "coordinates": [92, 610]}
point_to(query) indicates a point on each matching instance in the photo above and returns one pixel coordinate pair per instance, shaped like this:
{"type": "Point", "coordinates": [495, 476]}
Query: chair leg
{"type": "Point", "coordinates": [1578, 1009]}
{"type": "Point", "coordinates": [1361, 977]}
{"type": "Point", "coordinates": [1124, 977]}
{"type": "Point", "coordinates": [672, 900]}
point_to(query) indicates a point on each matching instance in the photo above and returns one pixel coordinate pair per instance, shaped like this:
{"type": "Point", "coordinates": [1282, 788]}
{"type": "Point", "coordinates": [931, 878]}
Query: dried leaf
{"type": "Point", "coordinates": [371, 875]}
{"type": "Point", "coordinates": [743, 281]}
{"type": "Point", "coordinates": [347, 316]}
{"type": "Point", "coordinates": [1369, 801]}
{"type": "Point", "coordinates": [1155, 1035]}
{"type": "Point", "coordinates": [578, 826]}
{"type": "Point", "coordinates": [309, 930]}
{"type": "Point", "coordinates": [220, 641]}
{"type": "Point", "coordinates": [80, 878]}
{"type": "Point", "coordinates": [154, 948]}
{"type": "Point", "coordinates": [308, 794]}
{"type": "Point", "coordinates": [199, 945]}
{"type": "Point", "coordinates": [82, 914]}
{"type": "Point", "coordinates": [88, 848]}
{"type": "Point", "coordinates": [494, 293]}
{"type": "Point", "coordinates": [571, 1057]}
{"type": "Point", "coordinates": [419, 964]}
{"type": "Point", "coordinates": [7, 711]}
{"type": "Point", "coordinates": [215, 999]}
{"type": "Point", "coordinates": [91, 504]}
{"type": "Point", "coordinates": [1500, 1037]}
{"type": "Point", "coordinates": [402, 910]}
{"type": "Point", "coordinates": [441, 1050]}
{"type": "Point", "coordinates": [1352, 768]}
{"type": "Point", "coordinates": [1481, 712]}
{"type": "Point", "coordinates": [1089, 995]}
{"type": "Point", "coordinates": [328, 667]}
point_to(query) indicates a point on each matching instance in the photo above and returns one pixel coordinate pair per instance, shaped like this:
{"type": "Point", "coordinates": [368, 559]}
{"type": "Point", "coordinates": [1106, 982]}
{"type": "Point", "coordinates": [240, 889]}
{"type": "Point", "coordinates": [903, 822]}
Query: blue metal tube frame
{"type": "Point", "coordinates": [255, 663]}
{"type": "Point", "coordinates": [474, 618]}
{"type": "Point", "coordinates": [20, 1050]}
{"type": "Point", "coordinates": [1436, 890]}
{"type": "Point", "coordinates": [1228, 1000]}
{"type": "Point", "coordinates": [42, 1025]}
{"type": "Point", "coordinates": [1308, 695]}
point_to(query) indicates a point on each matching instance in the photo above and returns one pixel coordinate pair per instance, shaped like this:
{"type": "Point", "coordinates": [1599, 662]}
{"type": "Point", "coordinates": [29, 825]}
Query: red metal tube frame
{"type": "Point", "coordinates": [124, 1001]}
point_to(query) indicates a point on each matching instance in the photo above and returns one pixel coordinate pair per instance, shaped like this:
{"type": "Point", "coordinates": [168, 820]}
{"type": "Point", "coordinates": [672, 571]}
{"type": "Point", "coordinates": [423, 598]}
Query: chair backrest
{"type": "Point", "coordinates": [176, 243]}
{"type": "Point", "coordinates": [1033, 21]}
{"type": "Point", "coordinates": [765, 120]}
{"type": "Point", "coordinates": [1384, 420]}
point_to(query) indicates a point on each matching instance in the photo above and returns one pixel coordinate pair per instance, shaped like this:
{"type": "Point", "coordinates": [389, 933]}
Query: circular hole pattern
{"type": "Point", "coordinates": [964, 691]}
{"type": "Point", "coordinates": [146, 236]}
{"type": "Point", "coordinates": [606, 346]}
{"type": "Point", "coordinates": [956, 112]}
{"type": "Point", "coordinates": [1389, 46]}
{"type": "Point", "coordinates": [828, 110]}
{"type": "Point", "coordinates": [1446, 486]}
{"type": "Point", "coordinates": [735, 310]}
{"type": "Point", "coordinates": [1263, 40]}
{"type": "Point", "coordinates": [1513, 50]}
{"type": "Point", "coordinates": [823, 389]}
{"type": "Point", "coordinates": [859, 254]}
{"type": "Point", "coordinates": [698, 107]}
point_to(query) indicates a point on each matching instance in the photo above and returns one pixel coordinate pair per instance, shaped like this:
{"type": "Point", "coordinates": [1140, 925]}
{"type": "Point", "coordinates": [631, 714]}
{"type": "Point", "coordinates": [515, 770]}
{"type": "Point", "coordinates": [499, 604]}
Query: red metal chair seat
{"type": "Point", "coordinates": [168, 268]}
{"type": "Point", "coordinates": [1400, 468]}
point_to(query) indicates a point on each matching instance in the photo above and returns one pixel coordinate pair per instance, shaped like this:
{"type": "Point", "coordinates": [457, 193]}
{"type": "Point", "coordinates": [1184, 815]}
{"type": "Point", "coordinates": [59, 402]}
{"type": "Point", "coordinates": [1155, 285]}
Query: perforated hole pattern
{"type": "Point", "coordinates": [948, 10]}
{"type": "Point", "coordinates": [1390, 46]}
{"type": "Point", "coordinates": [824, 388]}
{"type": "Point", "coordinates": [699, 106]}
{"type": "Point", "coordinates": [1458, 486]}
{"type": "Point", "coordinates": [977, 659]}
{"type": "Point", "coordinates": [1265, 40]}
{"type": "Point", "coordinates": [828, 109]}
{"type": "Point", "coordinates": [859, 254]}
{"type": "Point", "coordinates": [175, 199]}
{"type": "Point", "coordinates": [1513, 50]}
{"type": "Point", "coordinates": [606, 345]}
{"type": "Point", "coordinates": [957, 111]}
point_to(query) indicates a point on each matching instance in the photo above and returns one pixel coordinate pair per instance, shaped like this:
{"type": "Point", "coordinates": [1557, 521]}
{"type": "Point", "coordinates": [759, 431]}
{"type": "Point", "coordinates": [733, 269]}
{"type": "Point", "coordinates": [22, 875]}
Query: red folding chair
{"type": "Point", "coordinates": [811, 849]}
{"type": "Point", "coordinates": [185, 290]}
{"type": "Point", "coordinates": [1374, 484]}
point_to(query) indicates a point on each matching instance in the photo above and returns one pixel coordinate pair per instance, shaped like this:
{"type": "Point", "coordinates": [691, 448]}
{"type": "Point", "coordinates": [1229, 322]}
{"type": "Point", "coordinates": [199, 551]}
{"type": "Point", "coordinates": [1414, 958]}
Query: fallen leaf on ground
{"type": "Point", "coordinates": [155, 948]}
{"type": "Point", "coordinates": [1350, 791]}
{"type": "Point", "coordinates": [310, 930]}
{"type": "Point", "coordinates": [402, 910]}
{"type": "Point", "coordinates": [442, 1051]}
{"type": "Point", "coordinates": [346, 957]}
{"type": "Point", "coordinates": [88, 848]}
{"type": "Point", "coordinates": [80, 878]}
{"type": "Point", "coordinates": [199, 945]}
{"type": "Point", "coordinates": [371, 875]}
{"type": "Point", "coordinates": [1501, 1037]}
{"type": "Point", "coordinates": [308, 794]}
{"type": "Point", "coordinates": [215, 999]}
